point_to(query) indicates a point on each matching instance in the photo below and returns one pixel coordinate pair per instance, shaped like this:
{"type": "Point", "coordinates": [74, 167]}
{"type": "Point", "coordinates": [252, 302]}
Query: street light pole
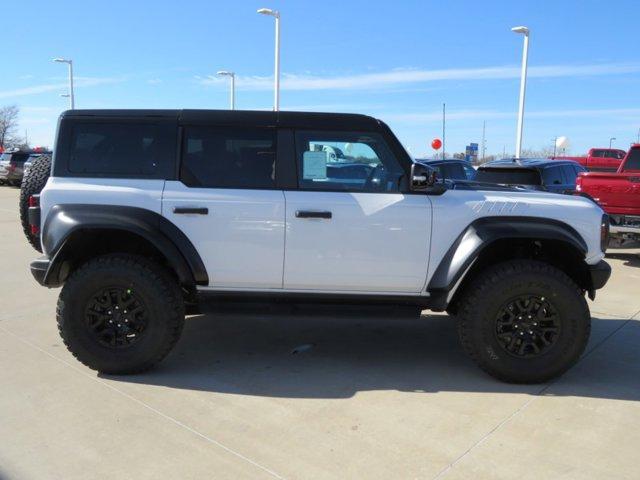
{"type": "Point", "coordinates": [523, 86]}
{"type": "Point", "coordinates": [276, 85]}
{"type": "Point", "coordinates": [232, 75]}
{"type": "Point", "coordinates": [71, 95]}
{"type": "Point", "coordinates": [611, 140]}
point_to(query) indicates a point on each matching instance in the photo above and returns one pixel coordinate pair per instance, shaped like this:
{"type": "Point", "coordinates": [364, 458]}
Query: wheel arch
{"type": "Point", "coordinates": [74, 233]}
{"type": "Point", "coordinates": [490, 240]}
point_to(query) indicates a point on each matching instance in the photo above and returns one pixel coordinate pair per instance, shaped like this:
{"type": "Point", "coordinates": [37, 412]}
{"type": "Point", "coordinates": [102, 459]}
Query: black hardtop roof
{"type": "Point", "coordinates": [243, 117]}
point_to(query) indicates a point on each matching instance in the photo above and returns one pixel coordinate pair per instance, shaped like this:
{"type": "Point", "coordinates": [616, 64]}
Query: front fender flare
{"type": "Point", "coordinates": [483, 232]}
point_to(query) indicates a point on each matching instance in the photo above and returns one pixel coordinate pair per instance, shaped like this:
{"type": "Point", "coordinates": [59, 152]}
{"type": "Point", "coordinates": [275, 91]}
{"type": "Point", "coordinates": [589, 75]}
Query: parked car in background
{"type": "Point", "coordinates": [11, 167]}
{"type": "Point", "coordinates": [555, 176]}
{"type": "Point", "coordinates": [619, 195]}
{"type": "Point", "coordinates": [599, 159]}
{"type": "Point", "coordinates": [14, 162]}
{"type": "Point", "coordinates": [451, 169]}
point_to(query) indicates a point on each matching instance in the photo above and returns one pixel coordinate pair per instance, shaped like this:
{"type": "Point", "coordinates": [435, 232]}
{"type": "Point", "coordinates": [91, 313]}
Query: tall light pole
{"type": "Point", "coordinates": [71, 96]}
{"type": "Point", "coordinates": [523, 86]}
{"type": "Point", "coordinates": [232, 75]}
{"type": "Point", "coordinates": [611, 140]}
{"type": "Point", "coordinates": [276, 86]}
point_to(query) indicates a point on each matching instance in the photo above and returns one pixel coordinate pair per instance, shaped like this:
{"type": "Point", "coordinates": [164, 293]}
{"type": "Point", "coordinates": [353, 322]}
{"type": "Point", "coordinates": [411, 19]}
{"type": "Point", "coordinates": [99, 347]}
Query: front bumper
{"type": "Point", "coordinates": [599, 273]}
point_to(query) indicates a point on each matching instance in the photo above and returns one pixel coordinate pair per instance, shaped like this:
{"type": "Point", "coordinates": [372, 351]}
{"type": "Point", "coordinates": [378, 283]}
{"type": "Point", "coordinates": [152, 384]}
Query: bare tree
{"type": "Point", "coordinates": [8, 125]}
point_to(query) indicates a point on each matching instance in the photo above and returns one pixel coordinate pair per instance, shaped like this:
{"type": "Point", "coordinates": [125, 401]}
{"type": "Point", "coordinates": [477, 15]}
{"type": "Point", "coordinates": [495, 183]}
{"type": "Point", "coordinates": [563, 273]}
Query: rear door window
{"type": "Point", "coordinates": [552, 176]}
{"type": "Point", "coordinates": [122, 149]}
{"type": "Point", "coordinates": [228, 157]}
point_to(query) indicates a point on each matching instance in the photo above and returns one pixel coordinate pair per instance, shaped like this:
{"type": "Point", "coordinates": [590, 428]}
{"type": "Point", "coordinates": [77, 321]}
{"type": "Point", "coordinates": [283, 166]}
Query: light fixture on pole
{"type": "Point", "coordinates": [523, 86]}
{"type": "Point", "coordinates": [70, 94]}
{"type": "Point", "coordinates": [611, 140]}
{"type": "Point", "coordinates": [232, 75]}
{"type": "Point", "coordinates": [276, 86]}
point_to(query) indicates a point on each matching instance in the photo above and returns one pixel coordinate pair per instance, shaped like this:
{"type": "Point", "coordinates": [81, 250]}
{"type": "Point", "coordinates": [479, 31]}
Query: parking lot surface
{"type": "Point", "coordinates": [310, 395]}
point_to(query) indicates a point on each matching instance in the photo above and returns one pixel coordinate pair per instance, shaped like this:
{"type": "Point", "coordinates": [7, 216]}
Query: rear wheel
{"type": "Point", "coordinates": [32, 184]}
{"type": "Point", "coordinates": [120, 314]}
{"type": "Point", "coordinates": [523, 321]}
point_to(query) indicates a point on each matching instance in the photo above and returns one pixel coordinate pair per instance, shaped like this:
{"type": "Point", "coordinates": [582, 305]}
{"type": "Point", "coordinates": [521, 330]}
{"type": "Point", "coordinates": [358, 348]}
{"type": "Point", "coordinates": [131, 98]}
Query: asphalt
{"type": "Point", "coordinates": [310, 395]}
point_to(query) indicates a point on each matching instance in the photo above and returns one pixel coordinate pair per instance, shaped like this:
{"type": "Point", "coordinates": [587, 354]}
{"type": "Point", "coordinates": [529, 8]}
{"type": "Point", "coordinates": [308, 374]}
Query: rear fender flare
{"type": "Point", "coordinates": [65, 220]}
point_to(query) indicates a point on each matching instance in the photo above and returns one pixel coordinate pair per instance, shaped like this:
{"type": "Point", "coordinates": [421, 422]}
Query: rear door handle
{"type": "Point", "coordinates": [313, 214]}
{"type": "Point", "coordinates": [191, 210]}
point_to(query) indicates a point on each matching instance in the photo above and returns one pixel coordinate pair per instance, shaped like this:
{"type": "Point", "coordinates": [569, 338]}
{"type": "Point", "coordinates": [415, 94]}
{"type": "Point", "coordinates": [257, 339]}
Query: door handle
{"type": "Point", "coordinates": [191, 210]}
{"type": "Point", "coordinates": [313, 214]}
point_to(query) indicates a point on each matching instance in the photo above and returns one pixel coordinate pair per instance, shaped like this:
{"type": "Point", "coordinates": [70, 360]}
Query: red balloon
{"type": "Point", "coordinates": [436, 143]}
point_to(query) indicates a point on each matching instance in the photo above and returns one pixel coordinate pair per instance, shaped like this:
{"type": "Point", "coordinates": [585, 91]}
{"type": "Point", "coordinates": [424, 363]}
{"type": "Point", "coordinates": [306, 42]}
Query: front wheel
{"type": "Point", "coordinates": [523, 321]}
{"type": "Point", "coordinates": [120, 313]}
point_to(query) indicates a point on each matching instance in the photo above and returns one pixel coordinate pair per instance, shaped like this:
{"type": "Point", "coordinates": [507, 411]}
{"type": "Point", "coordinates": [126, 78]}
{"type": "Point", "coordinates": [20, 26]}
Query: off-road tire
{"type": "Point", "coordinates": [481, 303]}
{"type": "Point", "coordinates": [32, 184]}
{"type": "Point", "coordinates": [159, 293]}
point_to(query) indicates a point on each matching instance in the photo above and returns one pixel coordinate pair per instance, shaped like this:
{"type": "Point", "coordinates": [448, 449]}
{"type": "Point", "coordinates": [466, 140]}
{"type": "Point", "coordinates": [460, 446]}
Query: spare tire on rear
{"type": "Point", "coordinates": [32, 184]}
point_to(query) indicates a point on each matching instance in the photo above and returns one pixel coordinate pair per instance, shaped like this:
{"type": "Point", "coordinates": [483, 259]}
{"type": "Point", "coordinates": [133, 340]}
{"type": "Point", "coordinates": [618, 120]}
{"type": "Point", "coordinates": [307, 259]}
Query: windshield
{"type": "Point", "coordinates": [508, 176]}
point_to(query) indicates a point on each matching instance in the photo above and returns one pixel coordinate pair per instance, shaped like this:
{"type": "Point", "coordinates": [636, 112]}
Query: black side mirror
{"type": "Point", "coordinates": [423, 179]}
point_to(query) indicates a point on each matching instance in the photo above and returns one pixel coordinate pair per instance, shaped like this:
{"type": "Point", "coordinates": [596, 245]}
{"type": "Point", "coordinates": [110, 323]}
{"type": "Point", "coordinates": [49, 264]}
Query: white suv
{"type": "Point", "coordinates": [149, 212]}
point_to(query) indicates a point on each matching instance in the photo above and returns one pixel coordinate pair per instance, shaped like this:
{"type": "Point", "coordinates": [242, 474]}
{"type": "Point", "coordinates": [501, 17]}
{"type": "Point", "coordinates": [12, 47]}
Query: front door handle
{"type": "Point", "coordinates": [312, 214]}
{"type": "Point", "coordinates": [191, 210]}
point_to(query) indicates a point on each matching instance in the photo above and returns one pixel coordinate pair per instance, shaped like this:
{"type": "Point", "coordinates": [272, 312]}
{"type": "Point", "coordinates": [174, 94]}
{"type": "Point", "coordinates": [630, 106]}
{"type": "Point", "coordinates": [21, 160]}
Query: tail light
{"type": "Point", "coordinates": [34, 214]}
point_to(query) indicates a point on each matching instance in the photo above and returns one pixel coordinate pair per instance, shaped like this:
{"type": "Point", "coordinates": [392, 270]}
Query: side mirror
{"type": "Point", "coordinates": [423, 179]}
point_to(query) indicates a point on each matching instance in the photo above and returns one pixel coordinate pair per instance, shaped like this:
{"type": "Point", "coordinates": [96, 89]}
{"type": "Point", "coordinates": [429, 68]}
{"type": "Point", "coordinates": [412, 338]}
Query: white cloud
{"type": "Point", "coordinates": [154, 81]}
{"type": "Point", "coordinates": [37, 89]}
{"type": "Point", "coordinates": [408, 76]}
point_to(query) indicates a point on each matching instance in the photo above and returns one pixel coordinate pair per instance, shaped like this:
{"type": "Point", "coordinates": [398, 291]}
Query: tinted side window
{"type": "Point", "coordinates": [228, 157]}
{"type": "Point", "coordinates": [552, 176]}
{"type": "Point", "coordinates": [598, 153]}
{"type": "Point", "coordinates": [633, 160]}
{"type": "Point", "coordinates": [569, 174]}
{"type": "Point", "coordinates": [122, 149]}
{"type": "Point", "coordinates": [349, 161]}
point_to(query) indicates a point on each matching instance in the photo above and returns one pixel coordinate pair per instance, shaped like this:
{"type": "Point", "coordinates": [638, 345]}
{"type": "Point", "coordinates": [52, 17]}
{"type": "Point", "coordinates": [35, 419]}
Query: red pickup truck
{"type": "Point", "coordinates": [618, 194]}
{"type": "Point", "coordinates": [599, 159]}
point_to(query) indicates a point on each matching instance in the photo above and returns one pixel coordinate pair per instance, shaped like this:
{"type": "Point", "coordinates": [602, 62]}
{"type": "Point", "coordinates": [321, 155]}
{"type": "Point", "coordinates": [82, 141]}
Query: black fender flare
{"type": "Point", "coordinates": [483, 232]}
{"type": "Point", "coordinates": [65, 219]}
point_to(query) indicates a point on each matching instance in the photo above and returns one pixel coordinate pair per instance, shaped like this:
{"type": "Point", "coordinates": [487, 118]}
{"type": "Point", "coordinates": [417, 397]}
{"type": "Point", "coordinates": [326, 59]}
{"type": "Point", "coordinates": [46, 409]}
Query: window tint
{"type": "Point", "coordinates": [617, 154]}
{"type": "Point", "coordinates": [122, 149]}
{"type": "Point", "coordinates": [598, 153]}
{"type": "Point", "coordinates": [454, 171]}
{"type": "Point", "coordinates": [633, 160]}
{"type": "Point", "coordinates": [507, 176]}
{"type": "Point", "coordinates": [470, 172]}
{"type": "Point", "coordinates": [570, 174]}
{"type": "Point", "coordinates": [229, 157]}
{"type": "Point", "coordinates": [552, 176]}
{"type": "Point", "coordinates": [350, 161]}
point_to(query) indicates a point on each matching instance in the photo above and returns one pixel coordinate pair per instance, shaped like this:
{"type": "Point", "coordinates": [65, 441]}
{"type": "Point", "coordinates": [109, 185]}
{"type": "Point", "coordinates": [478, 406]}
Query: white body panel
{"type": "Point", "coordinates": [240, 240]}
{"type": "Point", "coordinates": [374, 242]}
{"type": "Point", "coordinates": [131, 192]}
{"type": "Point", "coordinates": [456, 209]}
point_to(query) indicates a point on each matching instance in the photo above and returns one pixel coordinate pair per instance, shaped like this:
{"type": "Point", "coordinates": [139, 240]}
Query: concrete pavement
{"type": "Point", "coordinates": [308, 395]}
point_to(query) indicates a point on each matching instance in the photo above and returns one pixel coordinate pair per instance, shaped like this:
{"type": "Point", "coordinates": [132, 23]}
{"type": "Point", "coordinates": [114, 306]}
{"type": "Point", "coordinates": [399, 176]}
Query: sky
{"type": "Point", "coordinates": [396, 60]}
